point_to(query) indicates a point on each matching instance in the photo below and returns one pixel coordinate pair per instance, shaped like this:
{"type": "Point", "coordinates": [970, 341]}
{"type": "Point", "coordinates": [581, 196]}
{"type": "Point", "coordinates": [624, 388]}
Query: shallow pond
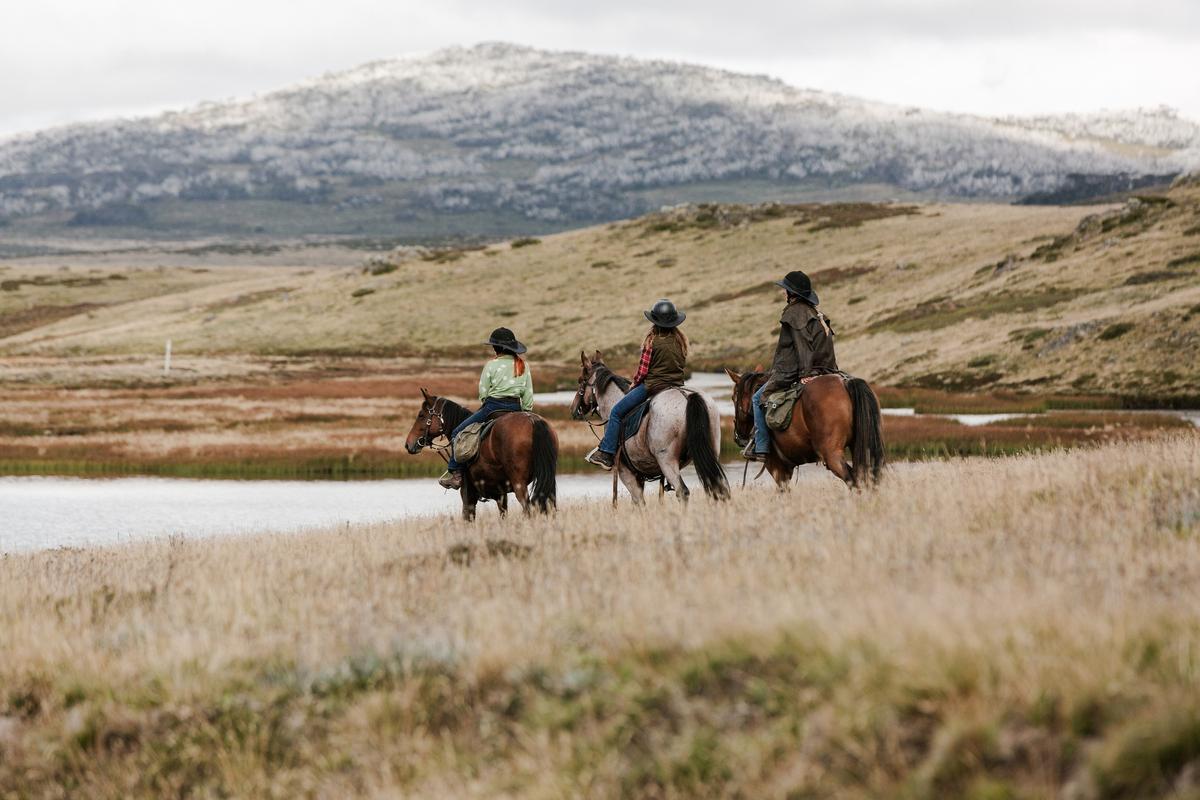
{"type": "Point", "coordinates": [41, 513]}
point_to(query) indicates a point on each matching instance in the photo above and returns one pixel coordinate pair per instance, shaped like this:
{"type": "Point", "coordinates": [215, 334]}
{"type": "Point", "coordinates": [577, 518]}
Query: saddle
{"type": "Point", "coordinates": [781, 404]}
{"type": "Point", "coordinates": [470, 438]}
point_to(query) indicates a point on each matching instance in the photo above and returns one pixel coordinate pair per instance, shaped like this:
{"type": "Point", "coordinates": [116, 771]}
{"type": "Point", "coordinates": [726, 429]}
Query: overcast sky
{"type": "Point", "coordinates": [66, 60]}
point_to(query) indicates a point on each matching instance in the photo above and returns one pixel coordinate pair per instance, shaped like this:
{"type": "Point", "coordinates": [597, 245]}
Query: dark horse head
{"type": "Point", "coordinates": [594, 378]}
{"type": "Point", "coordinates": [744, 386]}
{"type": "Point", "coordinates": [437, 417]}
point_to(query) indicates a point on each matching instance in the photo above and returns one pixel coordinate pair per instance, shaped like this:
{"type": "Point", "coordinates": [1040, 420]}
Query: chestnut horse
{"type": "Point", "coordinates": [520, 455]}
{"type": "Point", "coordinates": [832, 414]}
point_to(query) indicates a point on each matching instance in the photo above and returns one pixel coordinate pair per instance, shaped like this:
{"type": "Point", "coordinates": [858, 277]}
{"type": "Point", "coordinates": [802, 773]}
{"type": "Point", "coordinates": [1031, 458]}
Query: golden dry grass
{"type": "Point", "coordinates": [1024, 627]}
{"type": "Point", "coordinates": [955, 297]}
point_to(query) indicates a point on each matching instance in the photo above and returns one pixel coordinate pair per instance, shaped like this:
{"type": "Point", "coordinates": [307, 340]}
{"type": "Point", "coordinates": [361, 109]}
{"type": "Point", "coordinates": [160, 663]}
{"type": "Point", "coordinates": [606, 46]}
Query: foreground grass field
{"type": "Point", "coordinates": [1021, 627]}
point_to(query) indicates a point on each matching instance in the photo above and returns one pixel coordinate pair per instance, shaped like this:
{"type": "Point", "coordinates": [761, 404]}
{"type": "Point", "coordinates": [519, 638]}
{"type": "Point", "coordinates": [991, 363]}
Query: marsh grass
{"type": "Point", "coordinates": [1024, 627]}
{"type": "Point", "coordinates": [345, 420]}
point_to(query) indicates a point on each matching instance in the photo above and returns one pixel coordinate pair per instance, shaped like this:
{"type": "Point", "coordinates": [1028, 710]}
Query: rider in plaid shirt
{"type": "Point", "coordinates": [661, 366]}
{"type": "Point", "coordinates": [644, 361]}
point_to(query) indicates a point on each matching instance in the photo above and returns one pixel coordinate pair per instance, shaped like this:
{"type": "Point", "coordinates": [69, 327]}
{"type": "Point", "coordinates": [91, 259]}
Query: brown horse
{"type": "Point", "coordinates": [520, 455]}
{"type": "Point", "coordinates": [831, 415]}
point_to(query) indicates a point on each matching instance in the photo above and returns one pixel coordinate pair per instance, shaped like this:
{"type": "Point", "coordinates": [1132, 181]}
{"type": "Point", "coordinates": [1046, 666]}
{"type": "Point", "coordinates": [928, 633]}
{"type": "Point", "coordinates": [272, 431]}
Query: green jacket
{"type": "Point", "coordinates": [499, 382]}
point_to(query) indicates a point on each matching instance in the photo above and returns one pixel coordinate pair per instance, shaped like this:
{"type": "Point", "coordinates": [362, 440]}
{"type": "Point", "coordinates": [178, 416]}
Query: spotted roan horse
{"type": "Point", "coordinates": [832, 414]}
{"type": "Point", "coordinates": [520, 455]}
{"type": "Point", "coordinates": [681, 426]}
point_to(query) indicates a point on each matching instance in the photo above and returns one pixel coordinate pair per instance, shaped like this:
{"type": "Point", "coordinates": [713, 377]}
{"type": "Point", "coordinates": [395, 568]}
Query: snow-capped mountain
{"type": "Point", "coordinates": [550, 138]}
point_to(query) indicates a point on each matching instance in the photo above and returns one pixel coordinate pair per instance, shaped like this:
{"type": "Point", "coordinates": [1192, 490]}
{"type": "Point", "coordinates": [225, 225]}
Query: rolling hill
{"type": "Point", "coordinates": [499, 140]}
{"type": "Point", "coordinates": [1102, 299]}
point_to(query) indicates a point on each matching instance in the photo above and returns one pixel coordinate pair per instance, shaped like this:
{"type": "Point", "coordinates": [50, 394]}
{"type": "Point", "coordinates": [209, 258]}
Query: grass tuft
{"type": "Point", "coordinates": [1115, 331]}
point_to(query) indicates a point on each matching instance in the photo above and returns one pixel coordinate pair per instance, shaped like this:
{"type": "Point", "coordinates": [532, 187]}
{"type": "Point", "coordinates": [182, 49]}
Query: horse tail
{"type": "Point", "coordinates": [544, 494]}
{"type": "Point", "coordinates": [699, 444]}
{"type": "Point", "coordinates": [867, 446]}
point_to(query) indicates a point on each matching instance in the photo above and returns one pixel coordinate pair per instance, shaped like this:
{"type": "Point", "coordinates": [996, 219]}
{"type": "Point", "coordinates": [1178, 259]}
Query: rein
{"type": "Point", "coordinates": [580, 393]}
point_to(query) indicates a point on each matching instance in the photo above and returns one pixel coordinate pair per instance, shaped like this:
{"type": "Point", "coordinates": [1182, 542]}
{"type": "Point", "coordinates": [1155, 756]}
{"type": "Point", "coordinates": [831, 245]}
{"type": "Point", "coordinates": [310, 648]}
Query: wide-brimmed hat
{"type": "Point", "coordinates": [503, 337]}
{"type": "Point", "coordinates": [665, 315]}
{"type": "Point", "coordinates": [797, 283]}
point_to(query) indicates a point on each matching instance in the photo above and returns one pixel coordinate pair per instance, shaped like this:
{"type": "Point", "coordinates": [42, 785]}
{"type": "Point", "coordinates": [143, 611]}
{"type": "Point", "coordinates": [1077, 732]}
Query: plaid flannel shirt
{"type": "Point", "coordinates": [644, 362]}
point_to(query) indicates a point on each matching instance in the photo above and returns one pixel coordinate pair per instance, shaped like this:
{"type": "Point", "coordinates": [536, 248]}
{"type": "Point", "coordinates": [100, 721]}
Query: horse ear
{"type": "Point", "coordinates": [597, 358]}
{"type": "Point", "coordinates": [733, 376]}
{"type": "Point", "coordinates": [583, 359]}
{"type": "Point", "coordinates": [425, 393]}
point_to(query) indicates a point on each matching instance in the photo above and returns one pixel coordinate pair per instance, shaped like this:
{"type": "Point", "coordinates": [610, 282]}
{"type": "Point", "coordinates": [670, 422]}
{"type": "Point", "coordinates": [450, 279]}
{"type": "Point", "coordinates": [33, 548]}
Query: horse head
{"type": "Point", "coordinates": [429, 424]}
{"type": "Point", "coordinates": [585, 401]}
{"type": "Point", "coordinates": [745, 384]}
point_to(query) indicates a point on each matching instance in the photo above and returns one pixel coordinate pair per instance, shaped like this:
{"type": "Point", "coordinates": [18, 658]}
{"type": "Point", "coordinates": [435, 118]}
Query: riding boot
{"type": "Point", "coordinates": [599, 458]}
{"type": "Point", "coordinates": [749, 453]}
{"type": "Point", "coordinates": [451, 480]}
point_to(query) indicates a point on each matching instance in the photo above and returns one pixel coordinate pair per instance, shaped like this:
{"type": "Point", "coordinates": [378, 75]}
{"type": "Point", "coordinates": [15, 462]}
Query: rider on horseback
{"type": "Point", "coordinates": [661, 366]}
{"type": "Point", "coordinates": [805, 350]}
{"type": "Point", "coordinates": [505, 385]}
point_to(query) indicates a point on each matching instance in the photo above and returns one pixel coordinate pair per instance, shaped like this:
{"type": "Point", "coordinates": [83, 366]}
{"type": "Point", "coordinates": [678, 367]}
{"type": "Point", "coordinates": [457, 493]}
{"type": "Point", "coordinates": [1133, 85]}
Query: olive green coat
{"type": "Point", "coordinates": [667, 363]}
{"type": "Point", "coordinates": [805, 346]}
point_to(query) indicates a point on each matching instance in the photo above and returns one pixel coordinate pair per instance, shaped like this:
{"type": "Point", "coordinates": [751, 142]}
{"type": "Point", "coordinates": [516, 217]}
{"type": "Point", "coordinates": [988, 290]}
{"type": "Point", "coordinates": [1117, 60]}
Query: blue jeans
{"type": "Point", "coordinates": [613, 429]}
{"type": "Point", "coordinates": [489, 405]}
{"type": "Point", "coordinates": [762, 436]}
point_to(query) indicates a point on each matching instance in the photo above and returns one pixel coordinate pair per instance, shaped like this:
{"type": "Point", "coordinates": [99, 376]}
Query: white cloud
{"type": "Point", "coordinates": [63, 60]}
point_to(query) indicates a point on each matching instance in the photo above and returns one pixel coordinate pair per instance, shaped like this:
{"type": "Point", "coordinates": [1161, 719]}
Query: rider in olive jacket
{"type": "Point", "coordinates": [805, 349]}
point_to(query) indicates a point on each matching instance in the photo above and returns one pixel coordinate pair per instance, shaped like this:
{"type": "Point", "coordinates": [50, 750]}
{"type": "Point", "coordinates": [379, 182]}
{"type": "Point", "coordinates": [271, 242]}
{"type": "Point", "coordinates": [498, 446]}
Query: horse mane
{"type": "Point", "coordinates": [605, 376]}
{"type": "Point", "coordinates": [751, 380]}
{"type": "Point", "coordinates": [453, 414]}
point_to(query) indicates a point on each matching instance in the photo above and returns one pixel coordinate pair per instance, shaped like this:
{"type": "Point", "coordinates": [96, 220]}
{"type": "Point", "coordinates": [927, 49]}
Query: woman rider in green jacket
{"type": "Point", "coordinates": [504, 385]}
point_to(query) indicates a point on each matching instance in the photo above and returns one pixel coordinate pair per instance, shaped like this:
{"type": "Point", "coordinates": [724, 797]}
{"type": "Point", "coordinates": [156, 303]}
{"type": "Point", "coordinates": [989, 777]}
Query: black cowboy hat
{"type": "Point", "coordinates": [665, 315]}
{"type": "Point", "coordinates": [797, 283]}
{"type": "Point", "coordinates": [507, 340]}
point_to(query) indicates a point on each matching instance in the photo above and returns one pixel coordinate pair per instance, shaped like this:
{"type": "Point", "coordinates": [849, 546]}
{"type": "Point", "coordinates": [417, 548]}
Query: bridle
{"type": "Point", "coordinates": [579, 403]}
{"type": "Point", "coordinates": [438, 411]}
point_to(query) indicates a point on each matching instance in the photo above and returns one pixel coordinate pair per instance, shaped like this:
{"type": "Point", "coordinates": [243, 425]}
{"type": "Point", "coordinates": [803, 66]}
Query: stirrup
{"type": "Point", "coordinates": [750, 454]}
{"type": "Point", "coordinates": [450, 480]}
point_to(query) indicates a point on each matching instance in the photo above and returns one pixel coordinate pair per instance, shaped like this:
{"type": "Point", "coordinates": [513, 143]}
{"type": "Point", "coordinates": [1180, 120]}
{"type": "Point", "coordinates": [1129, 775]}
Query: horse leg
{"type": "Point", "coordinates": [502, 505]}
{"type": "Point", "coordinates": [834, 458]}
{"type": "Point", "coordinates": [670, 470]}
{"type": "Point", "coordinates": [633, 483]}
{"type": "Point", "coordinates": [470, 499]}
{"type": "Point", "coordinates": [780, 472]}
{"type": "Point", "coordinates": [521, 490]}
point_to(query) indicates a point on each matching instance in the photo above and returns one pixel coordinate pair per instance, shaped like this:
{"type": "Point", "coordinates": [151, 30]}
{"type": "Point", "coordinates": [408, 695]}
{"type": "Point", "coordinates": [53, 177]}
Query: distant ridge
{"type": "Point", "coordinates": [497, 139]}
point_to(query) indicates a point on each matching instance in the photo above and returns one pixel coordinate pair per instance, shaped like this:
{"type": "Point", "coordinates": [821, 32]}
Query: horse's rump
{"type": "Point", "coordinates": [679, 418]}
{"type": "Point", "coordinates": [521, 448]}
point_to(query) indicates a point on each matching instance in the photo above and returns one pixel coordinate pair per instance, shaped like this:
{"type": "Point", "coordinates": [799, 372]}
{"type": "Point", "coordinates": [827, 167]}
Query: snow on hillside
{"type": "Point", "coordinates": [557, 137]}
